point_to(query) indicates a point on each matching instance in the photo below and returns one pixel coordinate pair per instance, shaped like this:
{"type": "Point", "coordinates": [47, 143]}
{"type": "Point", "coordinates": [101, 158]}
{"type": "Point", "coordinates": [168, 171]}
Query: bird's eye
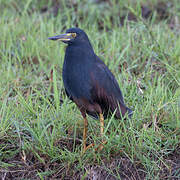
{"type": "Point", "coordinates": [73, 35]}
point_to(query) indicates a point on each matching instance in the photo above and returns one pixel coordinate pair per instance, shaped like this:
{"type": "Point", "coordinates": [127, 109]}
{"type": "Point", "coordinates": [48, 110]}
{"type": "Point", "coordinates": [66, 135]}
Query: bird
{"type": "Point", "coordinates": [89, 83]}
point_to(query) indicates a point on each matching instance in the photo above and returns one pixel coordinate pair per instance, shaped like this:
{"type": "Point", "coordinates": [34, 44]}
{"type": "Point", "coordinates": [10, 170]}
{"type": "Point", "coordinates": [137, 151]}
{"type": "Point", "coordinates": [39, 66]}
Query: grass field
{"type": "Point", "coordinates": [41, 130]}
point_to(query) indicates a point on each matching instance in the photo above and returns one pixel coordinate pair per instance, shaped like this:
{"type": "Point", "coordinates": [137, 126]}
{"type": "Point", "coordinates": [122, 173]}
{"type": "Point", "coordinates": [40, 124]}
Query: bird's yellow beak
{"type": "Point", "coordinates": [63, 37]}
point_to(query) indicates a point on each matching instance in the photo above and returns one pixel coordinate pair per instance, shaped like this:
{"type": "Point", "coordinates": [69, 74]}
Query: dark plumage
{"type": "Point", "coordinates": [87, 80]}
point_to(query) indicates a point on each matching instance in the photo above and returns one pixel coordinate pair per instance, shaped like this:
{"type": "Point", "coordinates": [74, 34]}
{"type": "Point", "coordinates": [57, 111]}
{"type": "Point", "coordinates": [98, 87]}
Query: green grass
{"type": "Point", "coordinates": [37, 129]}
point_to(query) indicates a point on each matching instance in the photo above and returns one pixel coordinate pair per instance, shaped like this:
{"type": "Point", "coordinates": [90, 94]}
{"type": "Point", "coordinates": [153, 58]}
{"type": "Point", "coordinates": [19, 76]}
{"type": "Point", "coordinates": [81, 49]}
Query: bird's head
{"type": "Point", "coordinates": [72, 36]}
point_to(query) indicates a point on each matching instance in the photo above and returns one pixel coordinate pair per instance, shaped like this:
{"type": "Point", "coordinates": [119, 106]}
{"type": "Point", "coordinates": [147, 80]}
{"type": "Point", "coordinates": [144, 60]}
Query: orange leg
{"type": "Point", "coordinates": [85, 133]}
{"type": "Point", "coordinates": [85, 148]}
{"type": "Point", "coordinates": [101, 146]}
{"type": "Point", "coordinates": [101, 117]}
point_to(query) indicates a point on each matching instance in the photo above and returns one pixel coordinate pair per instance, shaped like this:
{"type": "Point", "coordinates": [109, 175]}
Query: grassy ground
{"type": "Point", "coordinates": [41, 130]}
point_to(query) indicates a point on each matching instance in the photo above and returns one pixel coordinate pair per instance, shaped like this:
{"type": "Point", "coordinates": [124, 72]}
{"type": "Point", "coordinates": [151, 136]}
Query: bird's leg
{"type": "Point", "coordinates": [101, 117]}
{"type": "Point", "coordinates": [85, 148]}
{"type": "Point", "coordinates": [85, 133]}
{"type": "Point", "coordinates": [101, 146]}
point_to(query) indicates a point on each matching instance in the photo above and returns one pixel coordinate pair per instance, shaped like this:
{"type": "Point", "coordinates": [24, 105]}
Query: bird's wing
{"type": "Point", "coordinates": [106, 89]}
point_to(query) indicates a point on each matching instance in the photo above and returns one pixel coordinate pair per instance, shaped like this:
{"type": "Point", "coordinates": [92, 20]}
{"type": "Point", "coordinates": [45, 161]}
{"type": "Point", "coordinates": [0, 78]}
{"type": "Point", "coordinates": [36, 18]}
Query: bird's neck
{"type": "Point", "coordinates": [84, 45]}
{"type": "Point", "coordinates": [80, 52]}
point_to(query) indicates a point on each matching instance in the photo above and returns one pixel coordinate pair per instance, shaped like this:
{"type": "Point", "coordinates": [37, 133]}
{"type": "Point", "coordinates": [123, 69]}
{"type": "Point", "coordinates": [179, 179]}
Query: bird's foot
{"type": "Point", "coordinates": [85, 148]}
{"type": "Point", "coordinates": [99, 148]}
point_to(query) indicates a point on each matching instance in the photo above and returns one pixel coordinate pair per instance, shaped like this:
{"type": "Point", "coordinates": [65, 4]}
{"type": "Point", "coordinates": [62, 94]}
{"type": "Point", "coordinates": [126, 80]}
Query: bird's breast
{"type": "Point", "coordinates": [76, 77]}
